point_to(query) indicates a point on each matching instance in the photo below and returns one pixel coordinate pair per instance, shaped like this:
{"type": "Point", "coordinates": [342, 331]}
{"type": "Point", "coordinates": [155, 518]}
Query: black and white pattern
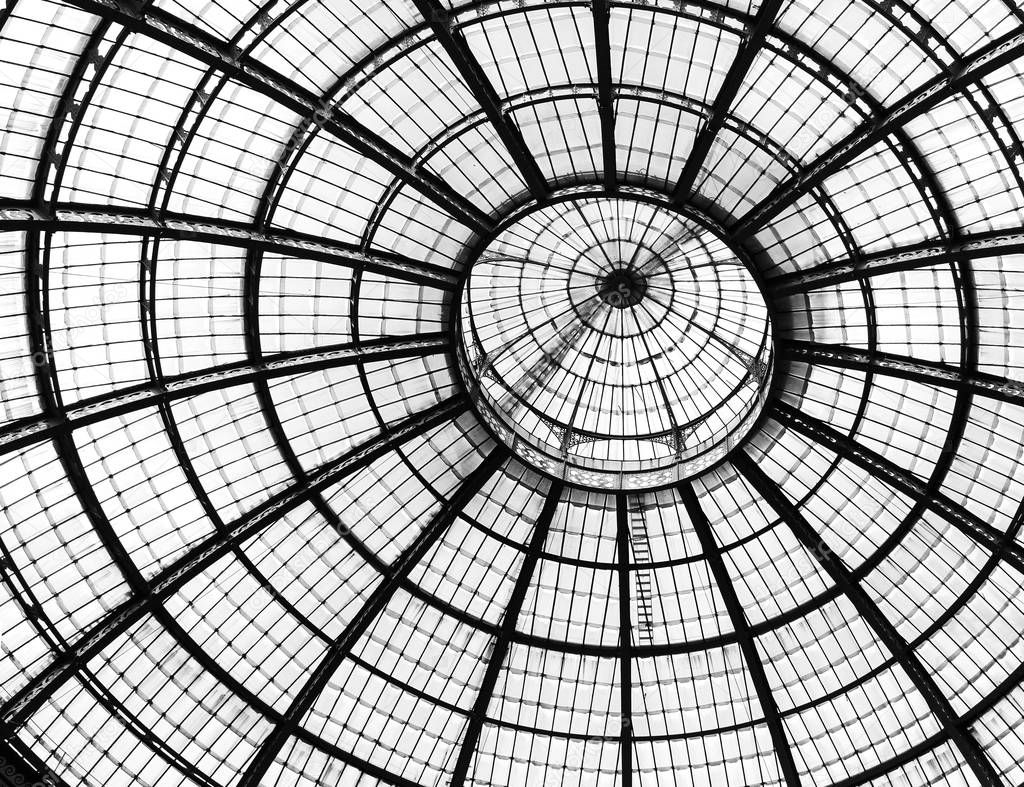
{"type": "Point", "coordinates": [518, 392]}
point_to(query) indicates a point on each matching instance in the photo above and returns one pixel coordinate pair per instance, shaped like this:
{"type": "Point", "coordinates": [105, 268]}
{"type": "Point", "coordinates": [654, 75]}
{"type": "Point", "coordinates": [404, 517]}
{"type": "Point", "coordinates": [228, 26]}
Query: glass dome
{"type": "Point", "coordinates": [614, 343]}
{"type": "Point", "coordinates": [512, 392]}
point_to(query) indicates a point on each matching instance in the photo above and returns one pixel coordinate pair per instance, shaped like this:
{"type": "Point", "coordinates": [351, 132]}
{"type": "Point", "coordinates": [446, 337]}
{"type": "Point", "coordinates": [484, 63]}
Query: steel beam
{"type": "Point", "coordinates": [906, 258]}
{"type": "Point", "coordinates": [749, 47]}
{"type": "Point", "coordinates": [886, 632]}
{"type": "Point", "coordinates": [503, 641]}
{"type": "Point", "coordinates": [26, 431]}
{"type": "Point", "coordinates": [755, 667]}
{"type": "Point", "coordinates": [905, 482]}
{"type": "Point", "coordinates": [70, 460]}
{"type": "Point", "coordinates": [21, 216]}
{"type": "Point", "coordinates": [605, 94]}
{"type": "Point", "coordinates": [904, 367]}
{"type": "Point", "coordinates": [378, 600]}
{"type": "Point", "coordinates": [978, 65]}
{"type": "Point", "coordinates": [444, 26]}
{"type": "Point", "coordinates": [173, 577]}
{"type": "Point", "coordinates": [159, 25]}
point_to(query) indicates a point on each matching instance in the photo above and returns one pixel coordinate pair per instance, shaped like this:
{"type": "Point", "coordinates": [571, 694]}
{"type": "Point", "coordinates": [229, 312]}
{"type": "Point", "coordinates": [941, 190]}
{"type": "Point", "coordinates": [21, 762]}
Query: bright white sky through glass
{"type": "Point", "coordinates": [260, 526]}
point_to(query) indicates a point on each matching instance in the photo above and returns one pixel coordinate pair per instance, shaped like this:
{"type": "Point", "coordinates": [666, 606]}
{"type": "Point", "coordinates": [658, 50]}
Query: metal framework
{"type": "Point", "coordinates": [169, 580]}
{"type": "Point", "coordinates": [499, 653]}
{"type": "Point", "coordinates": [397, 351]}
{"type": "Point", "coordinates": [605, 94]}
{"type": "Point", "coordinates": [923, 681]}
{"type": "Point", "coordinates": [166, 28]}
{"type": "Point", "coordinates": [750, 46]}
{"type": "Point", "coordinates": [371, 608]}
{"type": "Point", "coordinates": [15, 217]}
{"type": "Point", "coordinates": [167, 389]}
{"type": "Point", "coordinates": [454, 43]}
{"type": "Point", "coordinates": [965, 521]}
{"type": "Point", "coordinates": [926, 372]}
{"type": "Point", "coordinates": [971, 69]}
{"type": "Point", "coordinates": [755, 666]}
{"type": "Point", "coordinates": [920, 255]}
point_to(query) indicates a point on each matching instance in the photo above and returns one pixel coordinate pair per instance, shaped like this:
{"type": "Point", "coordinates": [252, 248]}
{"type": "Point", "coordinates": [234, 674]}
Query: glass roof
{"type": "Point", "coordinates": [615, 343]}
{"type": "Point", "coordinates": [319, 464]}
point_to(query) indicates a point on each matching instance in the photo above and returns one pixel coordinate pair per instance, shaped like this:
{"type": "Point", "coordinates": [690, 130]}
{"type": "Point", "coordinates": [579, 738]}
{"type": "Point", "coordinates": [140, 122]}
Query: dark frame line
{"type": "Point", "coordinates": [378, 600]}
{"type": "Point", "coordinates": [886, 632]}
{"type": "Point", "coordinates": [750, 45]}
{"type": "Point", "coordinates": [755, 667]}
{"type": "Point", "coordinates": [503, 641]}
{"type": "Point", "coordinates": [442, 22]}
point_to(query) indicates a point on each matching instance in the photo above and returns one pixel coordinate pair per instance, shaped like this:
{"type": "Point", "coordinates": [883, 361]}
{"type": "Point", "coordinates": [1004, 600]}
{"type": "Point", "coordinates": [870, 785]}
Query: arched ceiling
{"type": "Point", "coordinates": [257, 530]}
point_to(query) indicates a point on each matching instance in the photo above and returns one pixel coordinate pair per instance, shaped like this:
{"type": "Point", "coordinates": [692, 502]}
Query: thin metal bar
{"type": "Point", "coordinates": [454, 43]}
{"type": "Point", "coordinates": [755, 667]}
{"type": "Point", "coordinates": [340, 649]}
{"type": "Point", "coordinates": [503, 641]}
{"type": "Point", "coordinates": [886, 632]}
{"type": "Point", "coordinates": [749, 47]}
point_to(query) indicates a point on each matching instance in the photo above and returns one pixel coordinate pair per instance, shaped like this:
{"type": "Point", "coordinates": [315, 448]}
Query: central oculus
{"type": "Point", "coordinates": [614, 343]}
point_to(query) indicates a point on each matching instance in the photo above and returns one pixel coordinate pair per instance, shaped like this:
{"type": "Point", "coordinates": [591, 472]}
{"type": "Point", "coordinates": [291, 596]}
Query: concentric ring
{"type": "Point", "coordinates": [274, 508]}
{"type": "Point", "coordinates": [614, 343]}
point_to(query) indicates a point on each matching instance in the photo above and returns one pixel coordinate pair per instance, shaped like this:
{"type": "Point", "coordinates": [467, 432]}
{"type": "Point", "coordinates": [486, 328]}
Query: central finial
{"type": "Point", "coordinates": [622, 287]}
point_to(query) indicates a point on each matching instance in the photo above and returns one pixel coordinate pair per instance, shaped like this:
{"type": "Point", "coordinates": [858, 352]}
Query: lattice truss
{"type": "Point", "coordinates": [254, 531]}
